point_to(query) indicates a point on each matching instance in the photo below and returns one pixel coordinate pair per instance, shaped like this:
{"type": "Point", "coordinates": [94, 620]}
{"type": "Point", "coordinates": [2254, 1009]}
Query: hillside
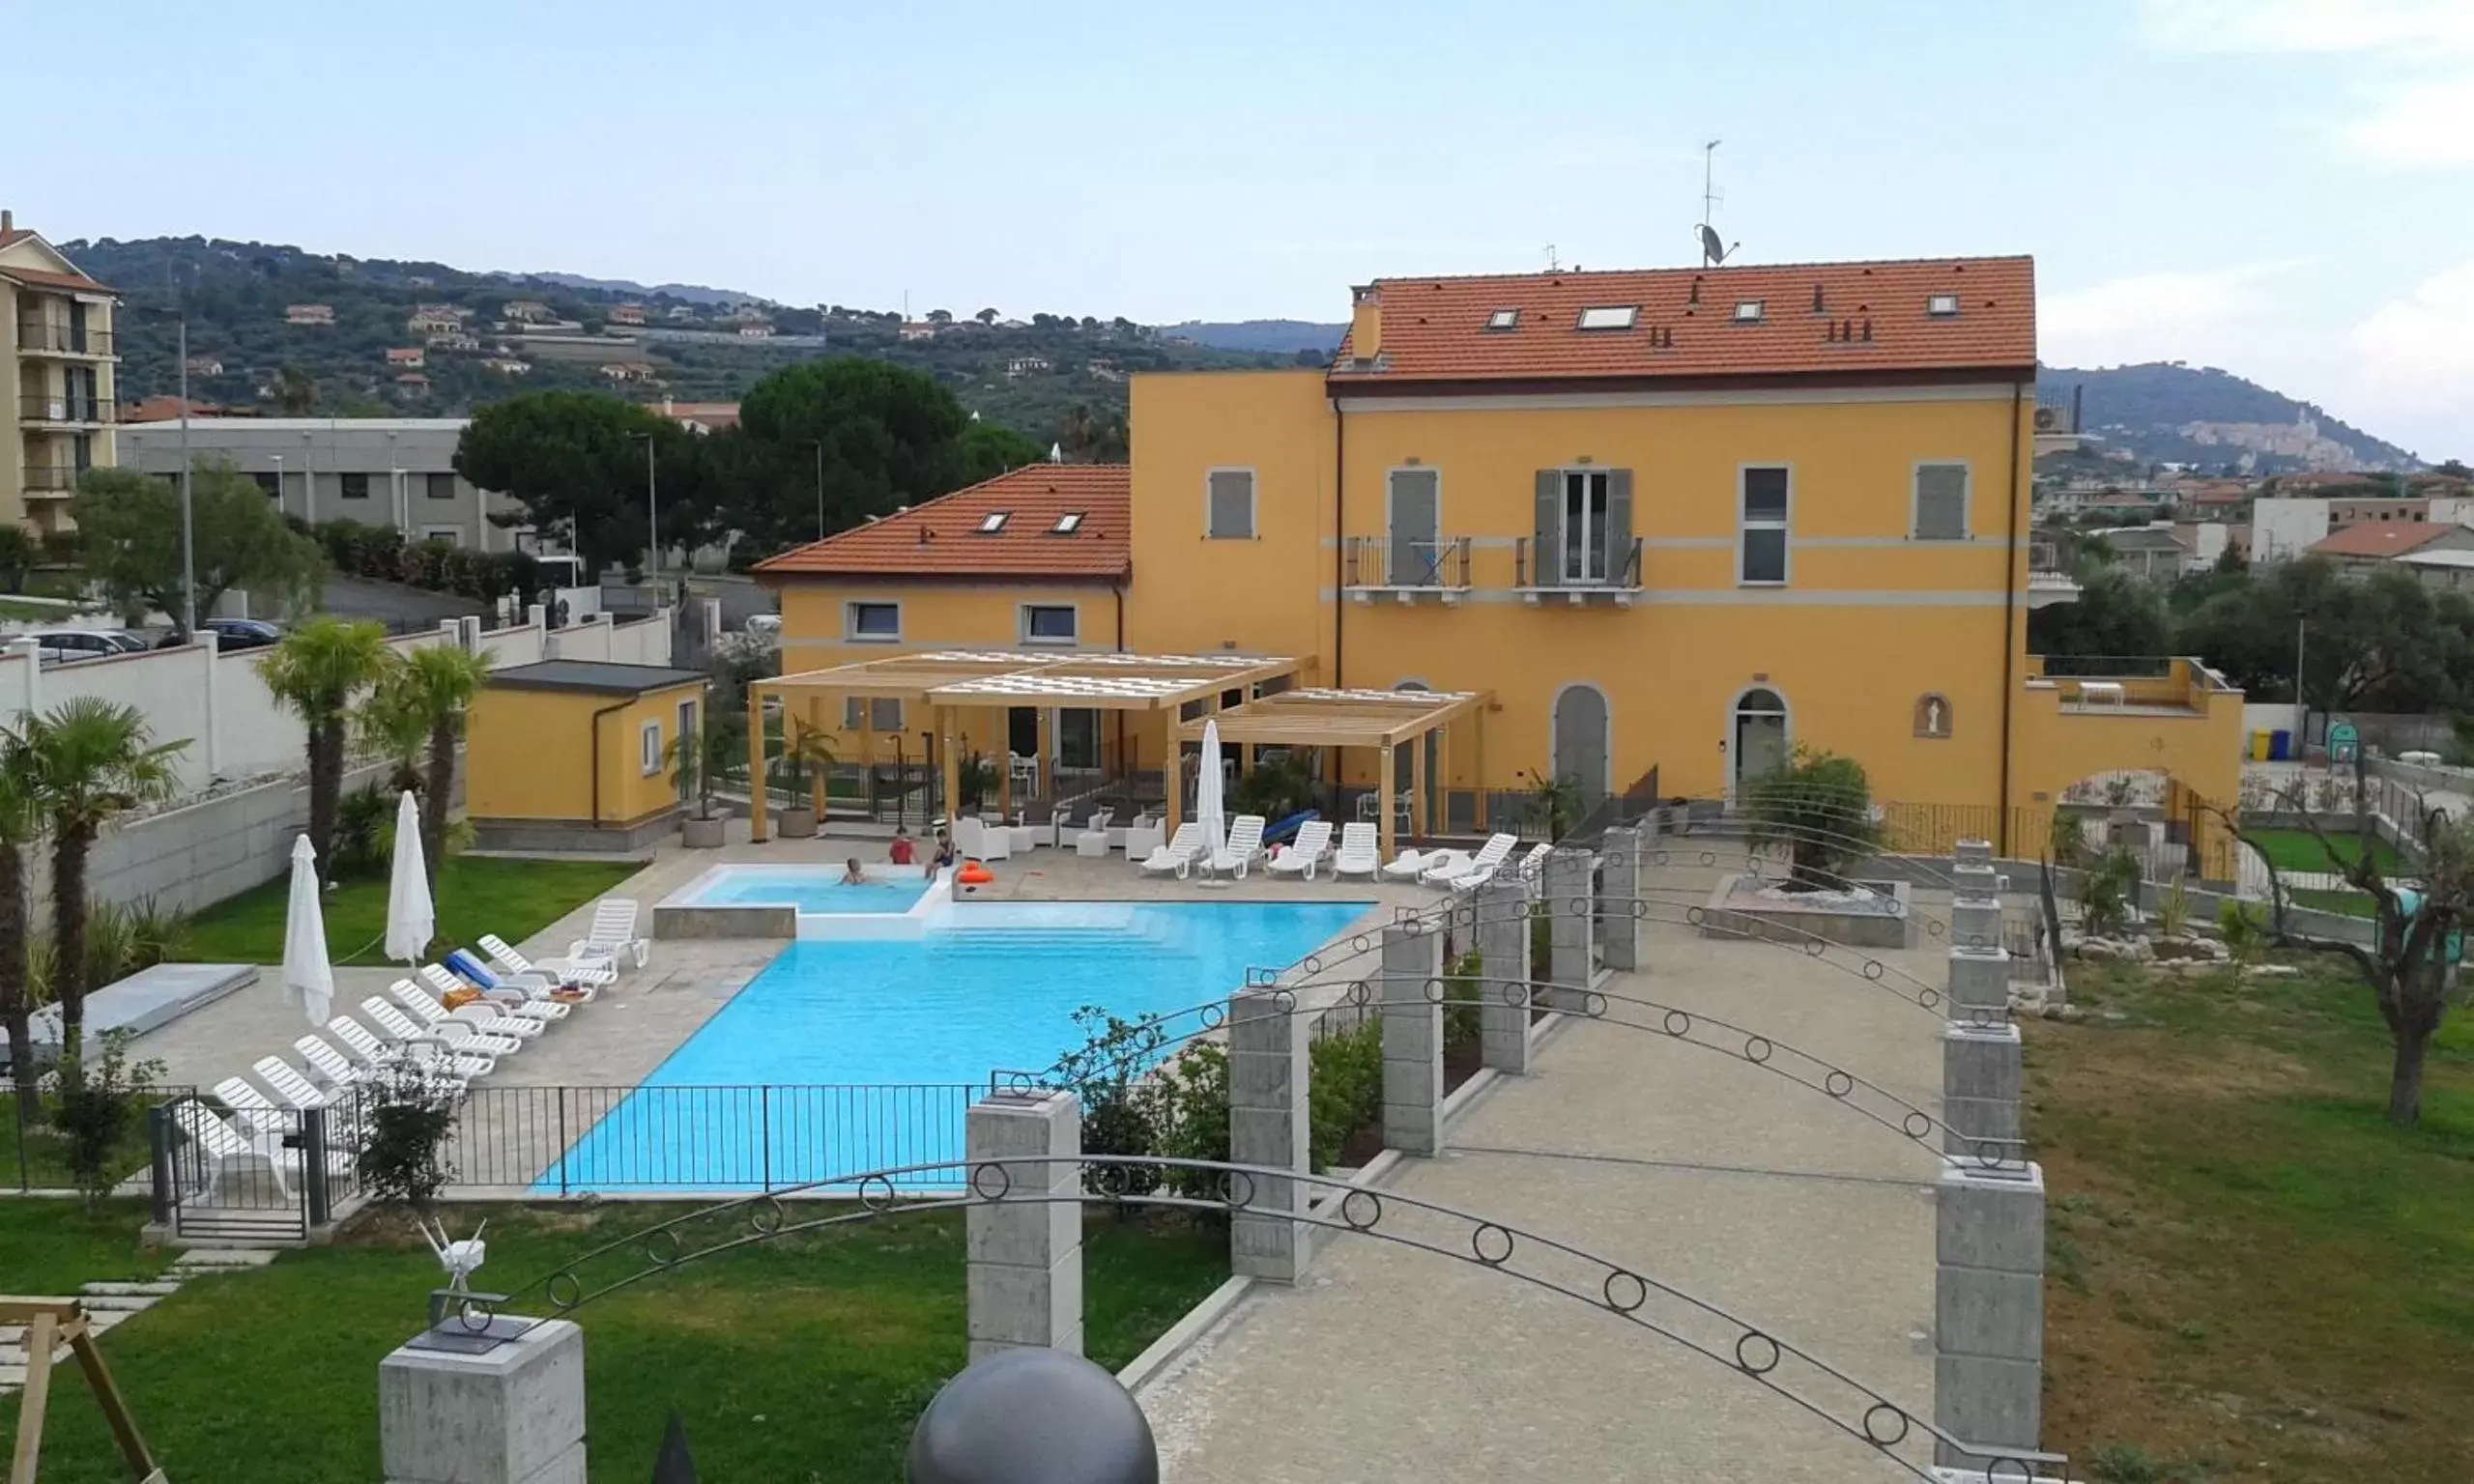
{"type": "Point", "coordinates": [1288, 337]}
{"type": "Point", "coordinates": [2166, 412]}
{"type": "Point", "coordinates": [1026, 375]}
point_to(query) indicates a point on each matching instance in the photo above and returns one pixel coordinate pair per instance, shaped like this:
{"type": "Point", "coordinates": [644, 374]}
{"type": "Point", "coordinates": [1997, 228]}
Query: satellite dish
{"type": "Point", "coordinates": [1713, 251]}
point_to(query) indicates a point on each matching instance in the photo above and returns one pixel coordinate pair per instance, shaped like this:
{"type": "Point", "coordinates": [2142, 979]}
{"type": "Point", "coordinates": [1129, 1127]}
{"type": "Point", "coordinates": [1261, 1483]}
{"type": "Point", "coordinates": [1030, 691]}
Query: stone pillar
{"type": "Point", "coordinates": [1979, 990]}
{"type": "Point", "coordinates": [1975, 921]}
{"type": "Point", "coordinates": [1619, 884]}
{"type": "Point", "coordinates": [1023, 1235]}
{"type": "Point", "coordinates": [1988, 1312]}
{"type": "Point", "coordinates": [1503, 946]}
{"type": "Point", "coordinates": [1975, 852]}
{"type": "Point", "coordinates": [1572, 908]}
{"type": "Point", "coordinates": [1267, 1124]}
{"type": "Point", "coordinates": [1412, 1039]}
{"type": "Point", "coordinates": [1980, 1084]}
{"type": "Point", "coordinates": [512, 1413]}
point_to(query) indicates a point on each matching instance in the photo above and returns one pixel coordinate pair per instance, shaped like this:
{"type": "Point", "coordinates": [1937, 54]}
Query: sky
{"type": "Point", "coordinates": [2281, 188]}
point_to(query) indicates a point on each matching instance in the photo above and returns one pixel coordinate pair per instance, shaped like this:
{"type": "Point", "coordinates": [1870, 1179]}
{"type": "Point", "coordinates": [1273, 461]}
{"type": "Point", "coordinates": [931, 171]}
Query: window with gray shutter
{"type": "Point", "coordinates": [1231, 501]}
{"type": "Point", "coordinates": [1941, 502]}
{"type": "Point", "coordinates": [1546, 545]}
{"type": "Point", "coordinates": [888, 713]}
{"type": "Point", "coordinates": [1619, 527]}
{"type": "Point", "coordinates": [855, 713]}
{"type": "Point", "coordinates": [1415, 528]}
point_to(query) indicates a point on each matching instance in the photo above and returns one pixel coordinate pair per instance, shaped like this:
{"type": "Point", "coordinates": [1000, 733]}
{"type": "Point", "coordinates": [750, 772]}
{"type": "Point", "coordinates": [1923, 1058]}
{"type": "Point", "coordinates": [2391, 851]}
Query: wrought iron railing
{"type": "Point", "coordinates": [36, 407]}
{"type": "Point", "coordinates": [44, 336]}
{"type": "Point", "coordinates": [1382, 562]}
{"type": "Point", "coordinates": [1619, 570]}
{"type": "Point", "coordinates": [50, 479]}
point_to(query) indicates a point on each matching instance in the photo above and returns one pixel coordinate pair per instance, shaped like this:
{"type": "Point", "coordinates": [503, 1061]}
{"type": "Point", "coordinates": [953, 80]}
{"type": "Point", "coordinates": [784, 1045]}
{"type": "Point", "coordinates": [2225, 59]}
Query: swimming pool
{"type": "Point", "coordinates": [817, 891]}
{"type": "Point", "coordinates": [845, 1056]}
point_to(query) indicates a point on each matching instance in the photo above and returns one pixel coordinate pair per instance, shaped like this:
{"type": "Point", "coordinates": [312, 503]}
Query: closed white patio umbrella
{"type": "Point", "coordinates": [309, 979]}
{"type": "Point", "coordinates": [1209, 811]}
{"type": "Point", "coordinates": [412, 920]}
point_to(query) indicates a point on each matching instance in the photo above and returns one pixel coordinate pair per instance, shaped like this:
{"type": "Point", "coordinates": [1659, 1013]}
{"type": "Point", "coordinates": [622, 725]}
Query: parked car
{"type": "Point", "coordinates": [231, 633]}
{"type": "Point", "coordinates": [61, 646]}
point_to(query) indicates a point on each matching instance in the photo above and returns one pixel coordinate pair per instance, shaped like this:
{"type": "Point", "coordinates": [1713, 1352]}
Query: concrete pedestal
{"type": "Point", "coordinates": [1979, 989]}
{"type": "Point", "coordinates": [510, 1415]}
{"type": "Point", "coordinates": [1975, 921]}
{"type": "Point", "coordinates": [1988, 1312]}
{"type": "Point", "coordinates": [1024, 1238]}
{"type": "Point", "coordinates": [1267, 1124]}
{"type": "Point", "coordinates": [1502, 937]}
{"type": "Point", "coordinates": [1412, 1039]}
{"type": "Point", "coordinates": [1619, 885]}
{"type": "Point", "coordinates": [1571, 912]}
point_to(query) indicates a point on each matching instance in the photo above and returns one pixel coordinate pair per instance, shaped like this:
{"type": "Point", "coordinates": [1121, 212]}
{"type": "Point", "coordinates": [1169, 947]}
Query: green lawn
{"type": "Point", "coordinates": [2301, 850]}
{"type": "Point", "coordinates": [49, 1247]}
{"type": "Point", "coordinates": [34, 1162]}
{"type": "Point", "coordinates": [513, 899]}
{"type": "Point", "coordinates": [2251, 1273]}
{"type": "Point", "coordinates": [801, 1360]}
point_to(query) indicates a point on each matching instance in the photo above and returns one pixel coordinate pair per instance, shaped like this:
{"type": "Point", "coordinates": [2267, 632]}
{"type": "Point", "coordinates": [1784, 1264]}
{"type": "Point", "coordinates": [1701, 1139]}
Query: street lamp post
{"type": "Point", "coordinates": [279, 484]}
{"type": "Point", "coordinates": [653, 513]}
{"type": "Point", "coordinates": [818, 445]}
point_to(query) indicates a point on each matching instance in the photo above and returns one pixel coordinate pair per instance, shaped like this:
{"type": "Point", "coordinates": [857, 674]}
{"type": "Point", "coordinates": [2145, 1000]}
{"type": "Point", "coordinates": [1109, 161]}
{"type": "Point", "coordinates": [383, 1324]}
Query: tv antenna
{"type": "Point", "coordinates": [1713, 251]}
{"type": "Point", "coordinates": [1552, 264]}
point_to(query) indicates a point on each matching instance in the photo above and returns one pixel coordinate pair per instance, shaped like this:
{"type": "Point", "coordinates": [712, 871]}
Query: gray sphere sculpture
{"type": "Point", "coordinates": [1033, 1416]}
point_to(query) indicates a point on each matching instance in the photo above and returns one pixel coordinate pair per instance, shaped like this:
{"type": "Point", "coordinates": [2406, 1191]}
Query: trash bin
{"type": "Point", "coordinates": [2280, 745]}
{"type": "Point", "coordinates": [2258, 746]}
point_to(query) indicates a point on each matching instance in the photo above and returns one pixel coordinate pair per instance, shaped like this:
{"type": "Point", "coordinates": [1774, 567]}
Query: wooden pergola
{"type": "Point", "coordinates": [951, 684]}
{"type": "Point", "coordinates": [1382, 720]}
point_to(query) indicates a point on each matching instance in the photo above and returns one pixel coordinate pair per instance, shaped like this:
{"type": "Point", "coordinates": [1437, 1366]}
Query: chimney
{"type": "Point", "coordinates": [7, 218]}
{"type": "Point", "coordinates": [1366, 322]}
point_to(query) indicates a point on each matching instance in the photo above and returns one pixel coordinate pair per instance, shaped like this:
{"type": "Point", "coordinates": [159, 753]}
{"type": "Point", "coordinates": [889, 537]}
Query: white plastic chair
{"type": "Point", "coordinates": [1313, 842]}
{"type": "Point", "coordinates": [516, 999]}
{"type": "Point", "coordinates": [584, 976]}
{"type": "Point", "coordinates": [1478, 867]}
{"type": "Point", "coordinates": [1177, 855]}
{"type": "Point", "coordinates": [457, 1036]}
{"type": "Point", "coordinates": [613, 935]}
{"type": "Point", "coordinates": [482, 1016]}
{"type": "Point", "coordinates": [1360, 852]}
{"type": "Point", "coordinates": [1244, 843]}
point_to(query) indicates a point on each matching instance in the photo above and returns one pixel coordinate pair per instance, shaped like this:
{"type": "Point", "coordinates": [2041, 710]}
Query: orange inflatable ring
{"type": "Point", "coordinates": [974, 873]}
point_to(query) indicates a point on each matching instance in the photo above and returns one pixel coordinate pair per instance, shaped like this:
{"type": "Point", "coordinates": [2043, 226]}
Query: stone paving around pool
{"type": "Point", "coordinates": [1389, 1365]}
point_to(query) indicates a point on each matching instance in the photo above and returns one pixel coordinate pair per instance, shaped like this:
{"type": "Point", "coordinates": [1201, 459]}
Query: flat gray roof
{"type": "Point", "coordinates": [597, 677]}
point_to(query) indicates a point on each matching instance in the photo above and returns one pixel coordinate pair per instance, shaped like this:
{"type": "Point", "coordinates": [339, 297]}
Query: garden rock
{"type": "Point", "coordinates": [2115, 950]}
{"type": "Point", "coordinates": [2204, 950]}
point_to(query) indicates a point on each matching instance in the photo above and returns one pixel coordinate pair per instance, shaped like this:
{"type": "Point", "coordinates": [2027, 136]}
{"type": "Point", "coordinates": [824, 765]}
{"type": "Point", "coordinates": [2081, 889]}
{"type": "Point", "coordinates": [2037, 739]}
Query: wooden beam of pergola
{"type": "Point", "coordinates": [1327, 718]}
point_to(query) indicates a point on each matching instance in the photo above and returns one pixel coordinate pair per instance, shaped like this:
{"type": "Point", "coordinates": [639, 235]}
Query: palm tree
{"type": "Point", "coordinates": [20, 822]}
{"type": "Point", "coordinates": [1081, 433]}
{"type": "Point", "coordinates": [320, 669]}
{"type": "Point", "coordinates": [418, 707]}
{"type": "Point", "coordinates": [295, 394]}
{"type": "Point", "coordinates": [88, 760]}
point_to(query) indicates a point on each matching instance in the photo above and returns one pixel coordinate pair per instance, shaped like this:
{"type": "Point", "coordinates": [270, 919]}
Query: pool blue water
{"type": "Point", "coordinates": [842, 1057]}
{"type": "Point", "coordinates": [817, 889]}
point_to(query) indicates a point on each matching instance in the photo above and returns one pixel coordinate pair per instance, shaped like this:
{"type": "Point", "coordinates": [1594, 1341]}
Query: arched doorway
{"type": "Point", "coordinates": [1758, 739]}
{"type": "Point", "coordinates": [1583, 741]}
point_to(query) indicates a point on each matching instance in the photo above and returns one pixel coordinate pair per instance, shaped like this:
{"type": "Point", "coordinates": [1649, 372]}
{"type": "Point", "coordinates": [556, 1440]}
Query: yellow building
{"type": "Point", "coordinates": [575, 754]}
{"type": "Point", "coordinates": [56, 379]}
{"type": "Point", "coordinates": [1674, 523]}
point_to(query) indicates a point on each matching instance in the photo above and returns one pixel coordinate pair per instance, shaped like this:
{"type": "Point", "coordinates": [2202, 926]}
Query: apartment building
{"type": "Point", "coordinates": [56, 377]}
{"type": "Point", "coordinates": [396, 471]}
{"type": "Point", "coordinates": [1666, 521]}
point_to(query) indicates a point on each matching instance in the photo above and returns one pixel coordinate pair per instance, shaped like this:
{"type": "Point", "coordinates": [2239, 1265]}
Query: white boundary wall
{"type": "Point", "coordinates": [201, 852]}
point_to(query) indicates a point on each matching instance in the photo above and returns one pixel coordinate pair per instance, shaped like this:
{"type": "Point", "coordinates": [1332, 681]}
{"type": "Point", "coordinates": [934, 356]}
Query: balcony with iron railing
{"type": "Point", "coordinates": [79, 412]}
{"type": "Point", "coordinates": [1404, 570]}
{"type": "Point", "coordinates": [51, 480]}
{"type": "Point", "coordinates": [1577, 578]}
{"type": "Point", "coordinates": [49, 337]}
{"type": "Point", "coordinates": [2130, 685]}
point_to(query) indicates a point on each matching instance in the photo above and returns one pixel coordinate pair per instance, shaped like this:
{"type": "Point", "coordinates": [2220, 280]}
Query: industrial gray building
{"type": "Point", "coordinates": [396, 471]}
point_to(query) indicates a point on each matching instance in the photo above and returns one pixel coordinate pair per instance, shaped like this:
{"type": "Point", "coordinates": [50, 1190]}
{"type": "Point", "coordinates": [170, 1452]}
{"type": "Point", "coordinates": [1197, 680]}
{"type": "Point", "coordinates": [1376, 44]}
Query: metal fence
{"type": "Point", "coordinates": [571, 1140]}
{"type": "Point", "coordinates": [255, 1174]}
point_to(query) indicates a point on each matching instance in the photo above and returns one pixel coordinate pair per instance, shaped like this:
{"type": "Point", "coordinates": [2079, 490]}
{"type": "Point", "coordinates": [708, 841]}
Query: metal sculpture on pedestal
{"type": "Point", "coordinates": [1033, 1416]}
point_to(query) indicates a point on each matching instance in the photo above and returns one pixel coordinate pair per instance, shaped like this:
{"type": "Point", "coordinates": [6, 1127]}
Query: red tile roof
{"type": "Point", "coordinates": [13, 236]}
{"type": "Point", "coordinates": [941, 537]}
{"type": "Point", "coordinates": [2382, 538]}
{"type": "Point", "coordinates": [1873, 318]}
{"type": "Point", "coordinates": [43, 278]}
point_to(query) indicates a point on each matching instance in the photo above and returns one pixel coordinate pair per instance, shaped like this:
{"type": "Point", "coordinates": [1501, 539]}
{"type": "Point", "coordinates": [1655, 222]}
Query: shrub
{"type": "Point", "coordinates": [363, 824]}
{"type": "Point", "coordinates": [95, 1112]}
{"type": "Point", "coordinates": [1187, 1103]}
{"type": "Point", "coordinates": [1462, 995]}
{"type": "Point", "coordinates": [403, 1161]}
{"type": "Point", "coordinates": [18, 554]}
{"type": "Point", "coordinates": [2244, 928]}
{"type": "Point", "coordinates": [2069, 839]}
{"type": "Point", "coordinates": [1101, 1072]}
{"type": "Point", "coordinates": [1821, 804]}
{"type": "Point", "coordinates": [1344, 1093]}
{"type": "Point", "coordinates": [1274, 790]}
{"type": "Point", "coordinates": [2174, 910]}
{"type": "Point", "coordinates": [2106, 897]}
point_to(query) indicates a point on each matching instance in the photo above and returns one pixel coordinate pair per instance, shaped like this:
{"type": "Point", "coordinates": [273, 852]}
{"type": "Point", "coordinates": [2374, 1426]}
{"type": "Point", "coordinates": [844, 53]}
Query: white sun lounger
{"type": "Point", "coordinates": [1177, 855]}
{"type": "Point", "coordinates": [482, 1016]}
{"type": "Point", "coordinates": [454, 1034]}
{"type": "Point", "coordinates": [586, 974]}
{"type": "Point", "coordinates": [613, 935]}
{"type": "Point", "coordinates": [1312, 845]}
{"type": "Point", "coordinates": [1358, 851]}
{"type": "Point", "coordinates": [222, 1145]}
{"type": "Point", "coordinates": [1489, 857]}
{"type": "Point", "coordinates": [1244, 843]}
{"type": "Point", "coordinates": [519, 1000]}
{"type": "Point", "coordinates": [458, 1066]}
